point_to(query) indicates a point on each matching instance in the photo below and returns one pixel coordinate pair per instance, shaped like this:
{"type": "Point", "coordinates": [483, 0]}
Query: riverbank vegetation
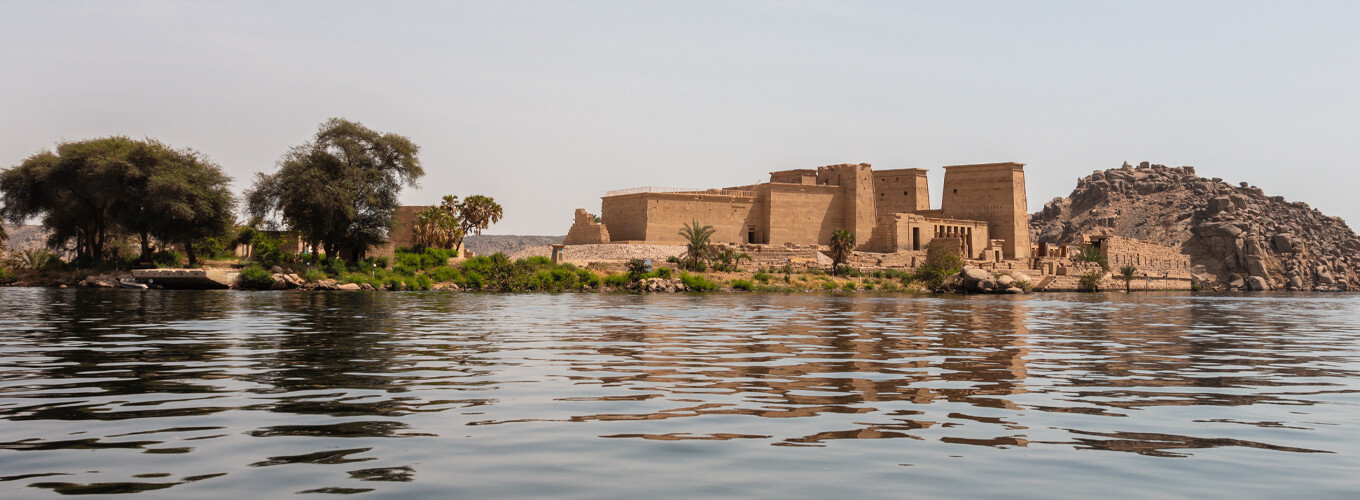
{"type": "Point", "coordinates": [91, 195]}
{"type": "Point", "coordinates": [339, 190]}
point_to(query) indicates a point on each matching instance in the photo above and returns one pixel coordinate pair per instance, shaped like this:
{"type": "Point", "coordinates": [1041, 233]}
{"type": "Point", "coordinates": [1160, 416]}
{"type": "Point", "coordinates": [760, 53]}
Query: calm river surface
{"type": "Point", "coordinates": [263, 394]}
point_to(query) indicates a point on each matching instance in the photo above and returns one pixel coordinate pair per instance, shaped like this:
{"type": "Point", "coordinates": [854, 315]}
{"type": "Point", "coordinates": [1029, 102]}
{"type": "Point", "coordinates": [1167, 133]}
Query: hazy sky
{"type": "Point", "coordinates": [547, 105]}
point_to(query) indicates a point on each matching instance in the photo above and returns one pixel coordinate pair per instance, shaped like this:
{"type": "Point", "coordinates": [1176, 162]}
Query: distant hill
{"type": "Point", "coordinates": [1227, 229]}
{"type": "Point", "coordinates": [488, 244]}
{"type": "Point", "coordinates": [25, 237]}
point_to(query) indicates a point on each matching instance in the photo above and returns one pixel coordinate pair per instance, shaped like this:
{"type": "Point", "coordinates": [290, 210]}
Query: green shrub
{"type": "Point", "coordinates": [255, 278]}
{"type": "Point", "coordinates": [166, 258]}
{"type": "Point", "coordinates": [335, 267]}
{"type": "Point", "coordinates": [587, 278]}
{"type": "Point", "coordinates": [313, 274]}
{"type": "Point", "coordinates": [745, 285]}
{"type": "Point", "coordinates": [1090, 282]}
{"type": "Point", "coordinates": [762, 277]}
{"type": "Point", "coordinates": [419, 282]}
{"type": "Point", "coordinates": [942, 262]}
{"type": "Point", "coordinates": [268, 249]}
{"type": "Point", "coordinates": [473, 280]}
{"type": "Point", "coordinates": [446, 275]}
{"type": "Point", "coordinates": [697, 283]}
{"type": "Point", "coordinates": [538, 261]}
{"type": "Point", "coordinates": [664, 273]}
{"type": "Point", "coordinates": [427, 258]}
{"type": "Point", "coordinates": [890, 287]}
{"type": "Point", "coordinates": [845, 270]}
{"type": "Point", "coordinates": [827, 285]}
{"type": "Point", "coordinates": [617, 280]}
{"type": "Point", "coordinates": [6, 277]}
{"type": "Point", "coordinates": [849, 286]}
{"type": "Point", "coordinates": [637, 268]}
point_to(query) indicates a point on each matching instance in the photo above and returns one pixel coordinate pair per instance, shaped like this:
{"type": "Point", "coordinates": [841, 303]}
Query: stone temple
{"type": "Point", "coordinates": [889, 211]}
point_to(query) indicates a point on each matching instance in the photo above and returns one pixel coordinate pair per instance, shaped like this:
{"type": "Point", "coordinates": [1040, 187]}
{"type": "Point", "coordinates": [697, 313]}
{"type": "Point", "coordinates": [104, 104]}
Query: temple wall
{"type": "Point", "coordinates": [994, 193]}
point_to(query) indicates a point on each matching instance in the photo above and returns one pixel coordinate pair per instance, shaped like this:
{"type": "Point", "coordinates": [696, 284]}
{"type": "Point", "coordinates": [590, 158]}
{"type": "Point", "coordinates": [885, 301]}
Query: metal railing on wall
{"type": "Point", "coordinates": [656, 189]}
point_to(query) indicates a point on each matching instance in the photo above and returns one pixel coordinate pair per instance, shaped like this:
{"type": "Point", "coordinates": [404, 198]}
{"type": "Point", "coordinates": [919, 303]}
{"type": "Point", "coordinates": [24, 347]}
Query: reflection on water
{"type": "Point", "coordinates": [216, 393]}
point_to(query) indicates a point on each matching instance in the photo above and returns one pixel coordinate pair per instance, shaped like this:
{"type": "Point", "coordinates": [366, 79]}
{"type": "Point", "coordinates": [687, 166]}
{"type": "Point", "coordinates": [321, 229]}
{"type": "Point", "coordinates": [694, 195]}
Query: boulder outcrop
{"type": "Point", "coordinates": [1232, 233]}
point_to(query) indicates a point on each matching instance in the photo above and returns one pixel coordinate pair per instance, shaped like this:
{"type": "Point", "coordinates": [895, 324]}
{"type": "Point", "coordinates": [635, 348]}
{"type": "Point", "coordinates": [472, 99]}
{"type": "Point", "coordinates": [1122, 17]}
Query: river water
{"type": "Point", "coordinates": [442, 395]}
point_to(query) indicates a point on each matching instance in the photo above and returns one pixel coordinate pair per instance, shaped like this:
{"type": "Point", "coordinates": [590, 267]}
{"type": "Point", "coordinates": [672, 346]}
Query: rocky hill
{"type": "Point", "coordinates": [1232, 233]}
{"type": "Point", "coordinates": [25, 237]}
{"type": "Point", "coordinates": [488, 244]}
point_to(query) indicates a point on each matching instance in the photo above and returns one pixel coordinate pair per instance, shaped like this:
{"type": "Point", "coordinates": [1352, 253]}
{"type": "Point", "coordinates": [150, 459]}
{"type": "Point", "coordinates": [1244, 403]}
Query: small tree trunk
{"type": "Point", "coordinates": [146, 247]}
{"type": "Point", "coordinates": [189, 251]}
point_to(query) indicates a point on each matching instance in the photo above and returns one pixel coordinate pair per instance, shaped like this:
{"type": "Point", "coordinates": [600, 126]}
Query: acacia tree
{"type": "Point", "coordinates": [191, 202]}
{"type": "Point", "coordinates": [180, 197]}
{"type": "Point", "coordinates": [73, 189]}
{"type": "Point", "coordinates": [340, 188]}
{"type": "Point", "coordinates": [90, 191]}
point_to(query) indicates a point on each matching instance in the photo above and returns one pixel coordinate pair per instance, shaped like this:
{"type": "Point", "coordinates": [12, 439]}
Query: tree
{"type": "Point", "coordinates": [73, 189]}
{"type": "Point", "coordinates": [842, 244]}
{"type": "Point", "coordinates": [1092, 254]}
{"type": "Point", "coordinates": [942, 262]}
{"type": "Point", "coordinates": [340, 188]}
{"type": "Point", "coordinates": [185, 198]}
{"type": "Point", "coordinates": [477, 212]}
{"type": "Point", "coordinates": [696, 243]}
{"type": "Point", "coordinates": [1127, 273]}
{"type": "Point", "coordinates": [729, 259]}
{"type": "Point", "coordinates": [435, 227]}
{"type": "Point", "coordinates": [91, 191]}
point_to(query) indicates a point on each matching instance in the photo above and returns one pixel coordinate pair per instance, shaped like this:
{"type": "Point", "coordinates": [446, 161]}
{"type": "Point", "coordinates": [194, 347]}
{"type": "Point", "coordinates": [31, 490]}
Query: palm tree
{"type": "Point", "coordinates": [696, 246]}
{"type": "Point", "coordinates": [435, 227]}
{"type": "Point", "coordinates": [731, 260]}
{"type": "Point", "coordinates": [842, 243]}
{"type": "Point", "coordinates": [1126, 273]}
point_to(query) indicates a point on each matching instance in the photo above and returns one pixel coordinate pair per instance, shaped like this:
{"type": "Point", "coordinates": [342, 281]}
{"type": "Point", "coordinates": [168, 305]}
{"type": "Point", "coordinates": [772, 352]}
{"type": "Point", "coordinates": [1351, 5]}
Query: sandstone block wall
{"type": "Point", "coordinates": [802, 214]}
{"type": "Point", "coordinates": [995, 193]}
{"type": "Point", "coordinates": [901, 191]}
{"type": "Point", "coordinates": [625, 217]}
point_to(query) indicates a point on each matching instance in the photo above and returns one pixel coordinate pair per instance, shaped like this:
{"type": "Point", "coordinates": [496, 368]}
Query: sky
{"type": "Point", "coordinates": [547, 105]}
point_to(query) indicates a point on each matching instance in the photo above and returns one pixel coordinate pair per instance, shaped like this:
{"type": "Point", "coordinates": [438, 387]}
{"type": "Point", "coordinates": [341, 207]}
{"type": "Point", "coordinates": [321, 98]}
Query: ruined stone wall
{"type": "Point", "coordinates": [585, 231]}
{"type": "Point", "coordinates": [399, 235]}
{"type": "Point", "coordinates": [1149, 258]}
{"type": "Point", "coordinates": [900, 191]}
{"type": "Point", "coordinates": [994, 193]}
